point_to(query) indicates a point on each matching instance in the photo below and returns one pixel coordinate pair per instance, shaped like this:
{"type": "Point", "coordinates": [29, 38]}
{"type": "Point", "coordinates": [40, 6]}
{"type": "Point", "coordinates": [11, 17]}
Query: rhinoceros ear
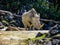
{"type": "Point", "coordinates": [32, 9]}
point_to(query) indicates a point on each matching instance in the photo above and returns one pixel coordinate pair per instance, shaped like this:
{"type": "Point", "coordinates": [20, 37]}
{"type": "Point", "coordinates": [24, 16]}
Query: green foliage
{"type": "Point", "coordinates": [41, 6]}
{"type": "Point", "coordinates": [39, 38]}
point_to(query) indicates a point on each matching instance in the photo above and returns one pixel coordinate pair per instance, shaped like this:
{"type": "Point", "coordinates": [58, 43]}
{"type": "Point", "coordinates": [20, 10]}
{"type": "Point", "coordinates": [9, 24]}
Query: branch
{"type": "Point", "coordinates": [53, 27]}
{"type": "Point", "coordinates": [46, 20]}
{"type": "Point", "coordinates": [10, 28]}
{"type": "Point", "coordinates": [4, 29]}
{"type": "Point", "coordinates": [3, 12]}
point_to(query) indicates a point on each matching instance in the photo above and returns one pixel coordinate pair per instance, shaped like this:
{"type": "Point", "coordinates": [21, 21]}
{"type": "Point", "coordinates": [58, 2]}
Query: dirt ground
{"type": "Point", "coordinates": [15, 37]}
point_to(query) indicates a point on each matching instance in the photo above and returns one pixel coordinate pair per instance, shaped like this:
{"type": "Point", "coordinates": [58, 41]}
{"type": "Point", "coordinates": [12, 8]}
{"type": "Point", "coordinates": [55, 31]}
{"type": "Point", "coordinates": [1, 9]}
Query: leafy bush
{"type": "Point", "coordinates": [45, 8]}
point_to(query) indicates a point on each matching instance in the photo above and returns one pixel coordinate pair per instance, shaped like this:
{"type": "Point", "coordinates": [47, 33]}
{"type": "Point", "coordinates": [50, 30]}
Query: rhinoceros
{"type": "Point", "coordinates": [31, 20]}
